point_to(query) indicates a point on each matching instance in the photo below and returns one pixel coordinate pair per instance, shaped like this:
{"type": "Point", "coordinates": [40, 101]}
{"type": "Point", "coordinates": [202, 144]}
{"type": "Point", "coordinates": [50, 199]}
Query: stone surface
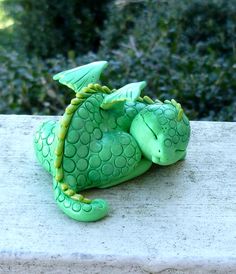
{"type": "Point", "coordinates": [190, 227]}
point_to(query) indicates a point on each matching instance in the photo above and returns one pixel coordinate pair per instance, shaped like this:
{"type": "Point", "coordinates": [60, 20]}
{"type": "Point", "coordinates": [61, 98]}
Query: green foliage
{"type": "Point", "coordinates": [118, 27]}
{"type": "Point", "coordinates": [211, 26]}
{"type": "Point", "coordinates": [26, 85]}
{"type": "Point", "coordinates": [52, 27]}
{"type": "Point", "coordinates": [185, 50]}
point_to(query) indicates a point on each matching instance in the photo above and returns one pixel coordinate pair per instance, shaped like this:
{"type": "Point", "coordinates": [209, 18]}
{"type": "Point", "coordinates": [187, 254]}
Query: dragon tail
{"type": "Point", "coordinates": [76, 206]}
{"type": "Point", "coordinates": [50, 155]}
{"type": "Point", "coordinates": [72, 204]}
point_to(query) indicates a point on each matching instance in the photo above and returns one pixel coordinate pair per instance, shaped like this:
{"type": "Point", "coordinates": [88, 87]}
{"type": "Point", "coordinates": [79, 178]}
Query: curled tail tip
{"type": "Point", "coordinates": [81, 211]}
{"type": "Point", "coordinates": [84, 212]}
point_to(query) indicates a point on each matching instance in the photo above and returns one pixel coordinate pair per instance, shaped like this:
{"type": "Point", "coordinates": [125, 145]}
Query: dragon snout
{"type": "Point", "coordinates": [170, 146]}
{"type": "Point", "coordinates": [168, 156]}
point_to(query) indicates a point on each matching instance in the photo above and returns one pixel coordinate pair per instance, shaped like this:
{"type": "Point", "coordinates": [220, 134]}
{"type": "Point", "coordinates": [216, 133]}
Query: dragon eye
{"type": "Point", "coordinates": [155, 135]}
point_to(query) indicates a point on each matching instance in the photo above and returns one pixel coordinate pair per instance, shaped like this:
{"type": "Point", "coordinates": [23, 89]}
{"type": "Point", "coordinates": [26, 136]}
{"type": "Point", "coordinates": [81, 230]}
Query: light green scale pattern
{"type": "Point", "coordinates": [99, 151]}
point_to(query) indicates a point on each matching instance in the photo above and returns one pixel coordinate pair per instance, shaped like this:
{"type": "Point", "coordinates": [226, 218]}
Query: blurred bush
{"type": "Point", "coordinates": [26, 85]}
{"type": "Point", "coordinates": [46, 28]}
{"type": "Point", "coordinates": [184, 50]}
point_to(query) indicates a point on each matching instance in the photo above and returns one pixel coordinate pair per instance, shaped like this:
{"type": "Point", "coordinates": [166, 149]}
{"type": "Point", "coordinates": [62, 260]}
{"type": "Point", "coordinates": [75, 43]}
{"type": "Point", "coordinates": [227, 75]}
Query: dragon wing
{"type": "Point", "coordinates": [129, 92]}
{"type": "Point", "coordinates": [80, 77]}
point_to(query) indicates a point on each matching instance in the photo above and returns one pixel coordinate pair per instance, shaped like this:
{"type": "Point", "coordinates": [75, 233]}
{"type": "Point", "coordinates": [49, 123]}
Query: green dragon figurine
{"type": "Point", "coordinates": [106, 137]}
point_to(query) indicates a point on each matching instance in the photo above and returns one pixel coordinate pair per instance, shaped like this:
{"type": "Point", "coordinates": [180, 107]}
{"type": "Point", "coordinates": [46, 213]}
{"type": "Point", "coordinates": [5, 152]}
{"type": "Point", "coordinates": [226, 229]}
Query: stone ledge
{"type": "Point", "coordinates": [176, 219]}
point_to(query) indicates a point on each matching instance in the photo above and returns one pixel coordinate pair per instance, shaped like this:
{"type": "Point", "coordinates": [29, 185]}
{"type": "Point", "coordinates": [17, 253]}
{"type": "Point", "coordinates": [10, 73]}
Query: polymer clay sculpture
{"type": "Point", "coordinates": [106, 137]}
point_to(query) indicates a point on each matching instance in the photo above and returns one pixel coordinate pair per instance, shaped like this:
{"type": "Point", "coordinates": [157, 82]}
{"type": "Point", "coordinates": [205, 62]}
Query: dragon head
{"type": "Point", "coordinates": [162, 131]}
